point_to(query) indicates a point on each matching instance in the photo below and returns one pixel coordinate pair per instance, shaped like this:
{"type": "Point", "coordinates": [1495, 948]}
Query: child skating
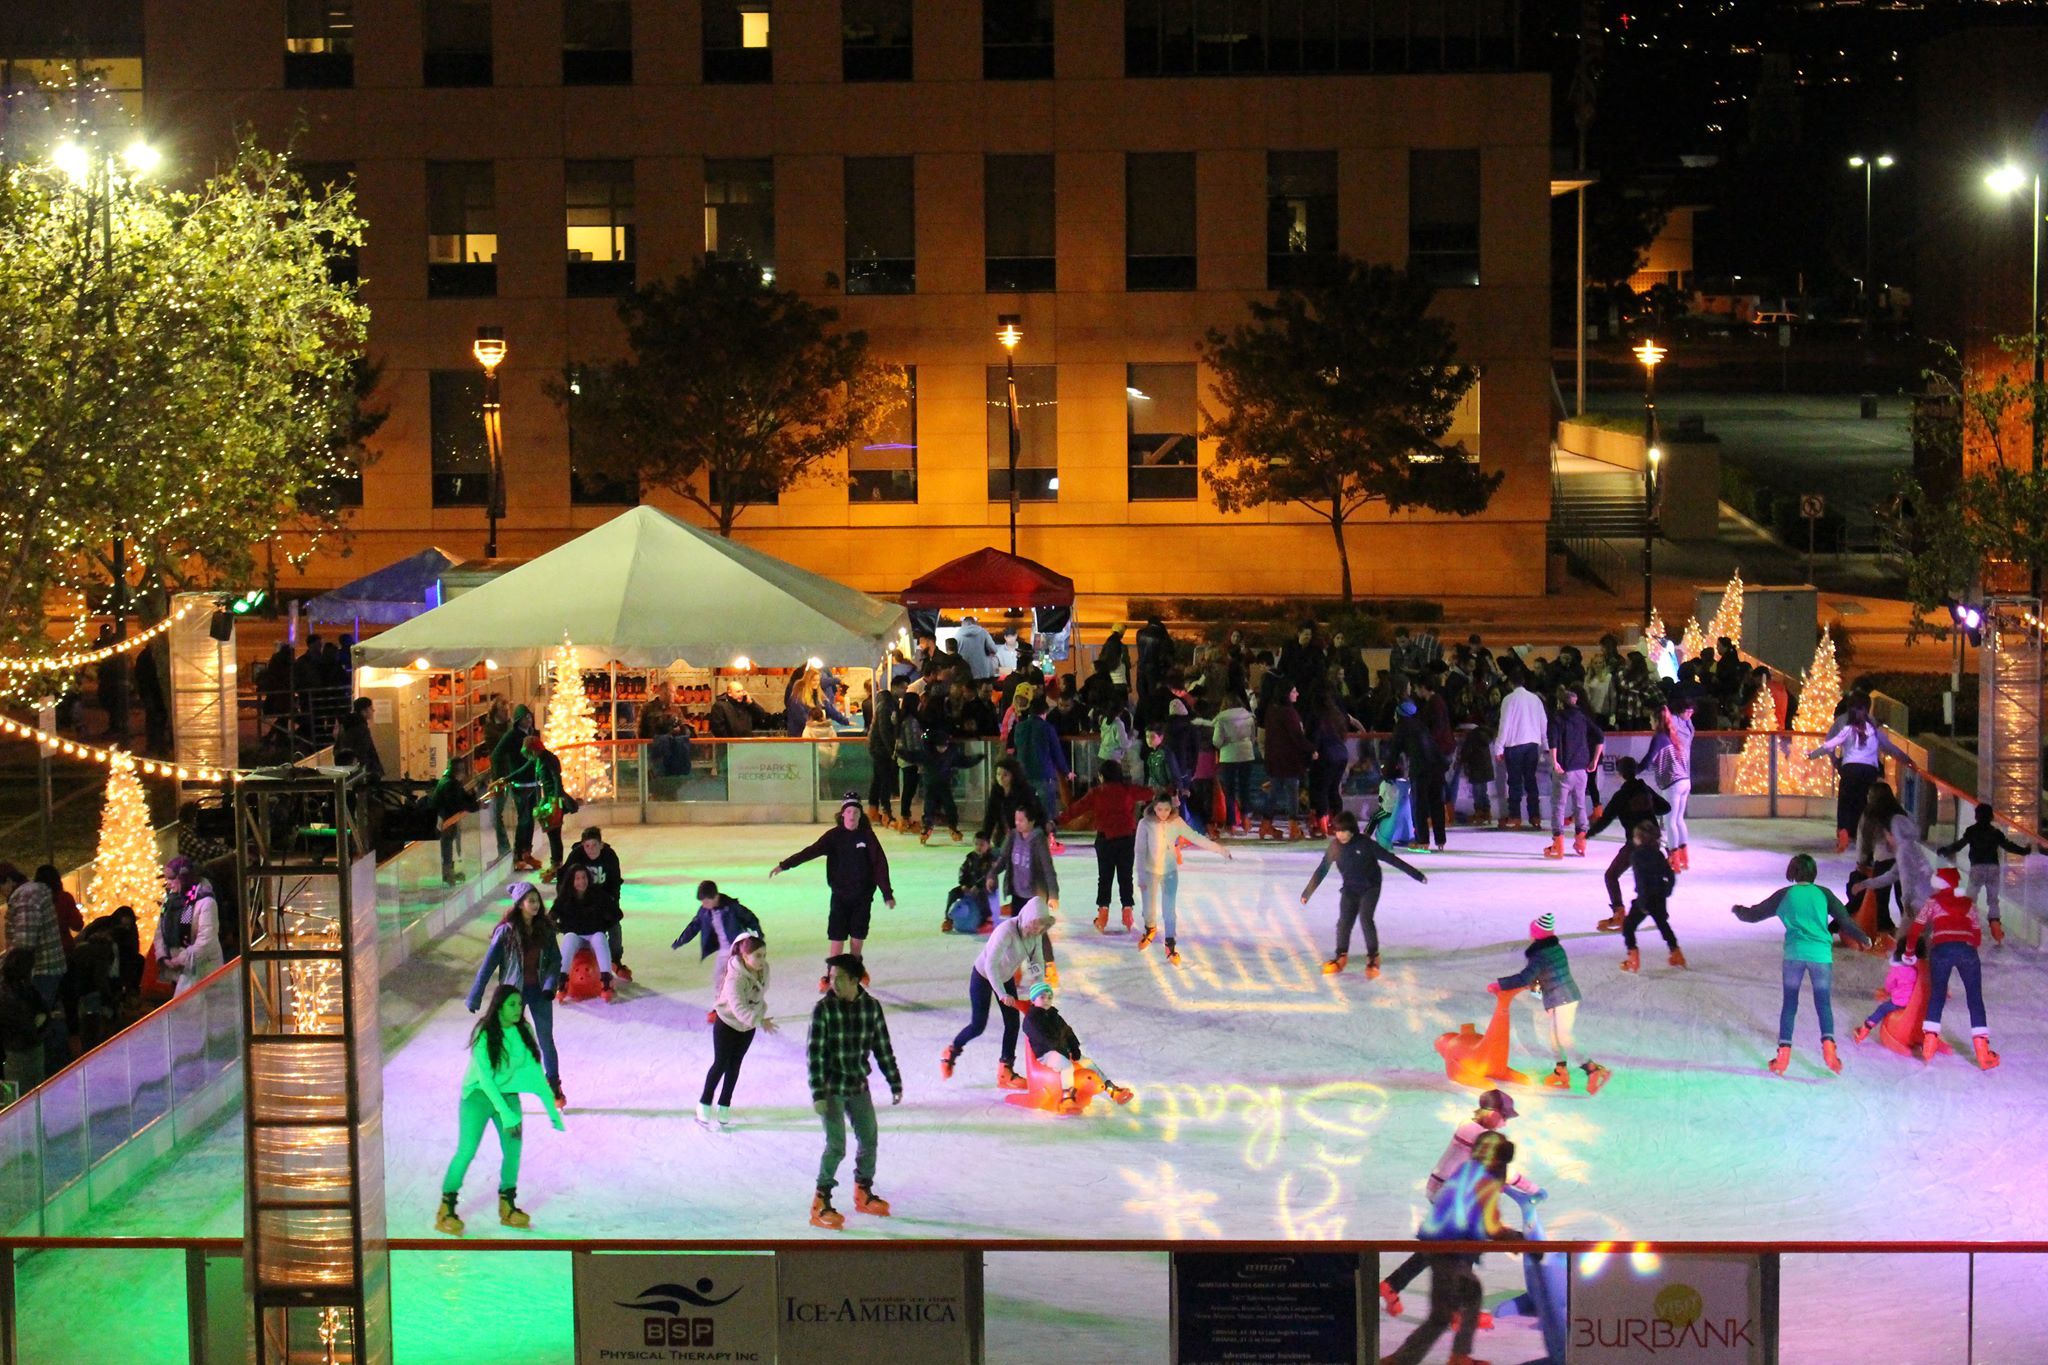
{"type": "Point", "coordinates": [1158, 863]}
{"type": "Point", "coordinates": [1986, 842]}
{"type": "Point", "coordinates": [1899, 980]}
{"type": "Point", "coordinates": [1550, 972]}
{"type": "Point", "coordinates": [717, 927]}
{"type": "Point", "coordinates": [847, 1027]}
{"type": "Point", "coordinates": [1050, 1035]}
{"type": "Point", "coordinates": [1357, 860]}
{"type": "Point", "coordinates": [504, 1063]}
{"type": "Point", "coordinates": [1811, 916]}
{"type": "Point", "coordinates": [1496, 1107]}
{"type": "Point", "coordinates": [1655, 881]}
{"type": "Point", "coordinates": [741, 1011]}
{"type": "Point", "coordinates": [1949, 922]}
{"type": "Point", "coordinates": [971, 905]}
{"type": "Point", "coordinates": [1633, 802]}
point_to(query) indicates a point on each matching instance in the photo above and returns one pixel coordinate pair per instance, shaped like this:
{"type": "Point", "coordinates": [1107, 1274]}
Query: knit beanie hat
{"type": "Point", "coordinates": [1543, 926]}
{"type": "Point", "coordinates": [1041, 995]}
{"type": "Point", "coordinates": [517, 891]}
{"type": "Point", "coordinates": [850, 799]}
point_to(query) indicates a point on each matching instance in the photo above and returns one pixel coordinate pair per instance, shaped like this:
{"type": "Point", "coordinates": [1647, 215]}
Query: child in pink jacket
{"type": "Point", "coordinates": [1898, 989]}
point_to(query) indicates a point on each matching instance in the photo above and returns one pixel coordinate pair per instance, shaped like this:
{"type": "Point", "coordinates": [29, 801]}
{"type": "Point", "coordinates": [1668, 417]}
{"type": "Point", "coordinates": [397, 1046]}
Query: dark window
{"type": "Point", "coordinates": [455, 47]}
{"type": "Point", "coordinates": [1301, 215]}
{"type": "Point", "coordinates": [881, 225]}
{"type": "Point", "coordinates": [462, 229]}
{"type": "Point", "coordinates": [875, 40]}
{"type": "Point", "coordinates": [739, 213]}
{"type": "Point", "coordinates": [1228, 37]}
{"type": "Point", "coordinates": [462, 460]}
{"type": "Point", "coordinates": [323, 179]}
{"type": "Point", "coordinates": [736, 48]}
{"type": "Point", "coordinates": [758, 495]}
{"type": "Point", "coordinates": [1161, 402]}
{"type": "Point", "coordinates": [340, 490]}
{"type": "Point", "coordinates": [597, 42]}
{"type": "Point", "coordinates": [598, 198]}
{"type": "Point", "coordinates": [1038, 463]}
{"type": "Point", "coordinates": [587, 483]}
{"type": "Point", "coordinates": [1017, 209]}
{"type": "Point", "coordinates": [1443, 216]}
{"type": "Point", "coordinates": [1016, 40]}
{"type": "Point", "coordinates": [1159, 220]}
{"type": "Point", "coordinates": [319, 44]}
{"type": "Point", "coordinates": [883, 468]}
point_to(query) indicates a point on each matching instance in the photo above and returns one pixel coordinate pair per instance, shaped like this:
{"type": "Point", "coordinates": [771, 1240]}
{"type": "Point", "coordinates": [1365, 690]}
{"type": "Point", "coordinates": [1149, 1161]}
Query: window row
{"type": "Point", "coordinates": [1019, 208]}
{"type": "Point", "coordinates": [1160, 408]}
{"type": "Point", "coordinates": [1161, 38]}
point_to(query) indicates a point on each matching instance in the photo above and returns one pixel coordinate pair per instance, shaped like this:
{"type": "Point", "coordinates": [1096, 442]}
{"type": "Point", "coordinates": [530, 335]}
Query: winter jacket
{"type": "Point", "coordinates": [509, 760]}
{"type": "Point", "coordinates": [201, 954]}
{"type": "Point", "coordinates": [516, 1073]}
{"type": "Point", "coordinates": [1156, 842]}
{"type": "Point", "coordinates": [742, 995]}
{"type": "Point", "coordinates": [1458, 1152]}
{"type": "Point", "coordinates": [844, 1033]}
{"type": "Point", "coordinates": [1811, 914]}
{"type": "Point", "coordinates": [1911, 868]}
{"type": "Point", "coordinates": [944, 760]}
{"type": "Point", "coordinates": [1523, 720]}
{"type": "Point", "coordinates": [1655, 881]}
{"type": "Point", "coordinates": [1113, 806]}
{"type": "Point", "coordinates": [1008, 952]}
{"type": "Point", "coordinates": [1234, 735]}
{"type": "Point", "coordinates": [1946, 918]}
{"type": "Point", "coordinates": [978, 648]}
{"type": "Point", "coordinates": [1418, 748]}
{"type": "Point", "coordinates": [718, 927]}
{"type": "Point", "coordinates": [1868, 746]}
{"type": "Point", "coordinates": [1287, 748]}
{"type": "Point", "coordinates": [1301, 664]}
{"type": "Point", "coordinates": [353, 736]}
{"type": "Point", "coordinates": [1467, 1209]}
{"type": "Point", "coordinates": [1039, 751]}
{"type": "Point", "coordinates": [1163, 771]}
{"type": "Point", "coordinates": [1899, 980]}
{"type": "Point", "coordinates": [1357, 861]}
{"type": "Point", "coordinates": [504, 960]}
{"type": "Point", "coordinates": [1548, 970]}
{"type": "Point", "coordinates": [855, 865]}
{"type": "Point", "coordinates": [1575, 738]}
{"type": "Point", "coordinates": [1047, 1030]}
{"type": "Point", "coordinates": [999, 809]}
{"type": "Point", "coordinates": [1034, 859]}
{"type": "Point", "coordinates": [605, 880]}
{"type": "Point", "coordinates": [1985, 841]}
{"type": "Point", "coordinates": [32, 924]}
{"type": "Point", "coordinates": [450, 797]}
{"type": "Point", "coordinates": [1633, 802]}
{"type": "Point", "coordinates": [1475, 754]}
{"type": "Point", "coordinates": [587, 914]}
{"type": "Point", "coordinates": [976, 869]}
{"type": "Point", "coordinates": [737, 717]}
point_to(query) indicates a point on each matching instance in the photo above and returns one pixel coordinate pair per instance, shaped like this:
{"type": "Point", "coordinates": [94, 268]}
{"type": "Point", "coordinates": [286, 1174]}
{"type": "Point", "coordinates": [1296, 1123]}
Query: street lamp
{"type": "Point", "coordinates": [1649, 352]}
{"type": "Point", "coordinates": [1010, 331]}
{"type": "Point", "coordinates": [489, 351]}
{"type": "Point", "coordinates": [2007, 181]}
{"type": "Point", "coordinates": [1869, 165]}
{"type": "Point", "coordinates": [92, 170]}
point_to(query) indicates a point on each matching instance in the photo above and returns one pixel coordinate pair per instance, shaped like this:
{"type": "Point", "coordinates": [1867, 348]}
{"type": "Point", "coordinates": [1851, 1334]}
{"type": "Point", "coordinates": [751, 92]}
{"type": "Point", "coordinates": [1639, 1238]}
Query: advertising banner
{"type": "Point", "coordinates": [875, 1308]}
{"type": "Point", "coordinates": [1670, 1310]}
{"type": "Point", "coordinates": [768, 774]}
{"type": "Point", "coordinates": [674, 1309]}
{"type": "Point", "coordinates": [1265, 1310]}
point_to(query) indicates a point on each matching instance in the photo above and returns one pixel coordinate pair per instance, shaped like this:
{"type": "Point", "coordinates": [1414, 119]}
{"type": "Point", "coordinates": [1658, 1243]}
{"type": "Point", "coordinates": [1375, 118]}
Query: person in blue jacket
{"type": "Point", "coordinates": [524, 955]}
{"type": "Point", "coordinates": [719, 923]}
{"type": "Point", "coordinates": [1550, 972]}
{"type": "Point", "coordinates": [1358, 871]}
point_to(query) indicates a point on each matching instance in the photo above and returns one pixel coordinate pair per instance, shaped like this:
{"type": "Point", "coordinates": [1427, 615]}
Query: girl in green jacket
{"type": "Point", "coordinates": [504, 1063]}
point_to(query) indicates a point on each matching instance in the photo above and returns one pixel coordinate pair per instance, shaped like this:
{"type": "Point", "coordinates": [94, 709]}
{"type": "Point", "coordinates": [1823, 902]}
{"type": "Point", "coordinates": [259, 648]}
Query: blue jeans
{"type": "Point", "coordinates": [859, 1107]}
{"type": "Point", "coordinates": [1823, 974]}
{"type": "Point", "coordinates": [1286, 799]}
{"type": "Point", "coordinates": [1520, 760]}
{"type": "Point", "coordinates": [1048, 789]}
{"type": "Point", "coordinates": [540, 1007]}
{"type": "Point", "coordinates": [981, 998]}
{"type": "Point", "coordinates": [1237, 790]}
{"type": "Point", "coordinates": [1961, 959]}
{"type": "Point", "coordinates": [1159, 896]}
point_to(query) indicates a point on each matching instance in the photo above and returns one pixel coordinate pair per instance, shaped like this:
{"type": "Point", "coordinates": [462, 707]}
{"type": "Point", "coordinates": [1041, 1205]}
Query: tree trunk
{"type": "Point", "coordinates": [1343, 555]}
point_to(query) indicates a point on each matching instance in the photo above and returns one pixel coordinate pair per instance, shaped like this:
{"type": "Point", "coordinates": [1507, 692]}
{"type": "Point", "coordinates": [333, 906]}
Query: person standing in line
{"type": "Point", "coordinates": [1357, 861]}
{"type": "Point", "coordinates": [188, 932]}
{"type": "Point", "coordinates": [525, 955]}
{"type": "Point", "coordinates": [504, 1063]}
{"type": "Point", "coordinates": [1015, 947]}
{"type": "Point", "coordinates": [1235, 735]}
{"type": "Point", "coordinates": [32, 924]}
{"type": "Point", "coordinates": [1288, 755]}
{"type": "Point", "coordinates": [883, 709]}
{"type": "Point", "coordinates": [1160, 835]}
{"type": "Point", "coordinates": [23, 1019]}
{"type": "Point", "coordinates": [741, 1009]}
{"type": "Point", "coordinates": [1519, 739]}
{"type": "Point", "coordinates": [1576, 743]}
{"type": "Point", "coordinates": [855, 869]}
{"type": "Point", "coordinates": [847, 1027]}
{"type": "Point", "coordinates": [1859, 746]}
{"type": "Point", "coordinates": [977, 647]}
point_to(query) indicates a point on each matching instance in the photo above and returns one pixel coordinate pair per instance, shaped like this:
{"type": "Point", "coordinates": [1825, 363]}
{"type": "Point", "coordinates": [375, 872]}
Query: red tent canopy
{"type": "Point", "coordinates": [989, 578]}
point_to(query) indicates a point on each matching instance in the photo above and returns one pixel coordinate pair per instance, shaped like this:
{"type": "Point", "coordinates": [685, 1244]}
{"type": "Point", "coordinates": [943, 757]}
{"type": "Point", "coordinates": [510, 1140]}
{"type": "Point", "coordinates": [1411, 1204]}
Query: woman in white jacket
{"type": "Point", "coordinates": [741, 1009]}
{"type": "Point", "coordinates": [1235, 749]}
{"type": "Point", "coordinates": [188, 939]}
{"type": "Point", "coordinates": [1158, 862]}
{"type": "Point", "coordinates": [1016, 947]}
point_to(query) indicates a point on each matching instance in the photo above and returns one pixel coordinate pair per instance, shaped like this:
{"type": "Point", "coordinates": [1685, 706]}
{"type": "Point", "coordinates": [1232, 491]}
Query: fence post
{"type": "Point", "coordinates": [1772, 786]}
{"type": "Point", "coordinates": [9, 1313]}
{"type": "Point", "coordinates": [196, 1334]}
{"type": "Point", "coordinates": [1767, 1311]}
{"type": "Point", "coordinates": [645, 752]}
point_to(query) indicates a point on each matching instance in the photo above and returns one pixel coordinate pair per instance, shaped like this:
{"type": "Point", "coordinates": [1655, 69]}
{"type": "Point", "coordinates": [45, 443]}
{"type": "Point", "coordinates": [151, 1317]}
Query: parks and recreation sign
{"type": "Point", "coordinates": [875, 1308]}
{"type": "Point", "coordinates": [1670, 1310]}
{"type": "Point", "coordinates": [667, 1309]}
{"type": "Point", "coordinates": [1266, 1310]}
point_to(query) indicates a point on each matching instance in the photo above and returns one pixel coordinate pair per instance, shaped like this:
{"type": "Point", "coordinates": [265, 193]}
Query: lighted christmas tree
{"type": "Point", "coordinates": [571, 729]}
{"type": "Point", "coordinates": [1728, 616]}
{"type": "Point", "coordinates": [1753, 767]}
{"type": "Point", "coordinates": [1820, 692]}
{"type": "Point", "coordinates": [126, 871]}
{"type": "Point", "coordinates": [1654, 634]}
{"type": "Point", "coordinates": [1694, 642]}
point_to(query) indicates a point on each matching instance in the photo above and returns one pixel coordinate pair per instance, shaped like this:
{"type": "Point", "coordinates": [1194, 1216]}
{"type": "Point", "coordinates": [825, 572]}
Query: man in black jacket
{"type": "Point", "coordinates": [735, 715]}
{"type": "Point", "coordinates": [855, 868]}
{"type": "Point", "coordinates": [515, 775]}
{"type": "Point", "coordinates": [602, 859]}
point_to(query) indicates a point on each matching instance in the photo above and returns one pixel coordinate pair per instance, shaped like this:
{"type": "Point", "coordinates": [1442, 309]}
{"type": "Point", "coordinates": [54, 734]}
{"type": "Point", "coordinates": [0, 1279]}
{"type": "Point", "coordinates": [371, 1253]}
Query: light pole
{"type": "Point", "coordinates": [2009, 180]}
{"type": "Point", "coordinates": [1869, 165]}
{"type": "Point", "coordinates": [1649, 352]}
{"type": "Point", "coordinates": [1010, 331]}
{"type": "Point", "coordinates": [92, 170]}
{"type": "Point", "coordinates": [489, 351]}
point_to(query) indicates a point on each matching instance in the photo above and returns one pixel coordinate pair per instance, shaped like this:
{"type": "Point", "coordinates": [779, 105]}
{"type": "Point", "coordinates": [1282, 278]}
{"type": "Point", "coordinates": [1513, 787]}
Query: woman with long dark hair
{"type": "Point", "coordinates": [525, 957]}
{"type": "Point", "coordinates": [1860, 745]}
{"type": "Point", "coordinates": [504, 1063]}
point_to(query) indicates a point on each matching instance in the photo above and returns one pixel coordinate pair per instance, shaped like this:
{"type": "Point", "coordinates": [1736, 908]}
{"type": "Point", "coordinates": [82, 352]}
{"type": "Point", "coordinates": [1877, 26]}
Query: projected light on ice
{"type": "Point", "coordinates": [1180, 1210]}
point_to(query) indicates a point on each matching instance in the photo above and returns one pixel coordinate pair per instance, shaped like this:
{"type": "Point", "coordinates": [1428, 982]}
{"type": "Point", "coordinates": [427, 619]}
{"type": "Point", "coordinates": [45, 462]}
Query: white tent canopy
{"type": "Point", "coordinates": [647, 590]}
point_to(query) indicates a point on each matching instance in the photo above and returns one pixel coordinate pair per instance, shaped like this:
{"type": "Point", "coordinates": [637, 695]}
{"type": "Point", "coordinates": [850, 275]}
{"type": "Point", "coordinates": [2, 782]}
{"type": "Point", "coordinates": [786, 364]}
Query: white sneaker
{"type": "Point", "coordinates": [725, 1118]}
{"type": "Point", "coordinates": [704, 1117]}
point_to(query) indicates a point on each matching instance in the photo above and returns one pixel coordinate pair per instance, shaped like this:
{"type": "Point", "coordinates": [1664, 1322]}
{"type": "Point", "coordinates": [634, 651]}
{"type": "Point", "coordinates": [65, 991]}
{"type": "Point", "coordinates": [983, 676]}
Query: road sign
{"type": "Point", "coordinates": [1812, 505]}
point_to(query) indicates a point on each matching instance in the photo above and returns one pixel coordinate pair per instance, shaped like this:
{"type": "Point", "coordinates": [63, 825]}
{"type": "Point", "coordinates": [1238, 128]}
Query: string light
{"type": "Point", "coordinates": [125, 870]}
{"type": "Point", "coordinates": [1727, 622]}
{"type": "Point", "coordinates": [149, 767]}
{"type": "Point", "coordinates": [58, 663]}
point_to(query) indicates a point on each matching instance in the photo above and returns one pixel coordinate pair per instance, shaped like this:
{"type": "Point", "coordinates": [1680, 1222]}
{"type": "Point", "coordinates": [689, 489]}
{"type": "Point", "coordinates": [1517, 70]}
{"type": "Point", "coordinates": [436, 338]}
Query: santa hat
{"type": "Point", "coordinates": [1949, 877]}
{"type": "Point", "coordinates": [1543, 926]}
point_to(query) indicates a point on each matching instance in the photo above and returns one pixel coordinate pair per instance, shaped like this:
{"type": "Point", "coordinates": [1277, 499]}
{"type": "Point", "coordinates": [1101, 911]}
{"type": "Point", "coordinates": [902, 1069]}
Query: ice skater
{"type": "Point", "coordinates": [602, 859]}
{"type": "Point", "coordinates": [741, 1010]}
{"type": "Point", "coordinates": [1357, 860]}
{"type": "Point", "coordinates": [1899, 980]}
{"type": "Point", "coordinates": [1466, 1210]}
{"type": "Point", "coordinates": [584, 922]}
{"type": "Point", "coordinates": [1911, 870]}
{"type": "Point", "coordinates": [1655, 881]}
{"type": "Point", "coordinates": [1576, 743]}
{"type": "Point", "coordinates": [1050, 1035]}
{"type": "Point", "coordinates": [1811, 915]}
{"type": "Point", "coordinates": [1859, 746]}
{"type": "Point", "coordinates": [1986, 841]}
{"type": "Point", "coordinates": [504, 1063]}
{"type": "Point", "coordinates": [1158, 860]}
{"type": "Point", "coordinates": [1949, 921]}
{"type": "Point", "coordinates": [1550, 972]}
{"type": "Point", "coordinates": [1496, 1107]}
{"type": "Point", "coordinates": [1670, 758]}
{"type": "Point", "coordinates": [1633, 802]}
{"type": "Point", "coordinates": [847, 1027]}
{"type": "Point", "coordinates": [1113, 804]}
{"type": "Point", "coordinates": [855, 869]}
{"type": "Point", "coordinates": [525, 955]}
{"type": "Point", "coordinates": [719, 923]}
{"type": "Point", "coordinates": [1016, 947]}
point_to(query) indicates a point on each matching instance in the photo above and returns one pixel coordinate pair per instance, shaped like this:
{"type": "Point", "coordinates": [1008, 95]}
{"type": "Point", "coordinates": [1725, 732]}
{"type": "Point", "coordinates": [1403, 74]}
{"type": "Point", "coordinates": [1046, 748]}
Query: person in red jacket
{"type": "Point", "coordinates": [1949, 919]}
{"type": "Point", "coordinates": [1113, 804]}
{"type": "Point", "coordinates": [1288, 754]}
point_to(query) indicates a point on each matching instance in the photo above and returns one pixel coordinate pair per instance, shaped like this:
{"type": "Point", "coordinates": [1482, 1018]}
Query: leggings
{"type": "Point", "coordinates": [1851, 793]}
{"type": "Point", "coordinates": [1113, 860]}
{"type": "Point", "coordinates": [980, 998]}
{"type": "Point", "coordinates": [1678, 793]}
{"type": "Point", "coordinates": [475, 1113]}
{"type": "Point", "coordinates": [1159, 894]}
{"type": "Point", "coordinates": [1237, 791]}
{"type": "Point", "coordinates": [1650, 909]}
{"type": "Point", "coordinates": [1356, 907]}
{"type": "Point", "coordinates": [598, 944]}
{"type": "Point", "coordinates": [1823, 974]}
{"type": "Point", "coordinates": [728, 1049]}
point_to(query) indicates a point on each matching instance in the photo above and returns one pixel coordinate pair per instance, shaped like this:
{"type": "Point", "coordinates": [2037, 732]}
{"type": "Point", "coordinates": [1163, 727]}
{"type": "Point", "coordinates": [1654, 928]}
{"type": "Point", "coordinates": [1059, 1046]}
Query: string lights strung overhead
{"type": "Point", "coordinates": [58, 663]}
{"type": "Point", "coordinates": [149, 767]}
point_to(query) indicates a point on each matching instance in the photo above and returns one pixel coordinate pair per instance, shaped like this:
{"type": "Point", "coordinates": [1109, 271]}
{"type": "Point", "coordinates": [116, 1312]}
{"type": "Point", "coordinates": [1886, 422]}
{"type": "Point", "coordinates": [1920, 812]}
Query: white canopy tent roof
{"type": "Point", "coordinates": [647, 590]}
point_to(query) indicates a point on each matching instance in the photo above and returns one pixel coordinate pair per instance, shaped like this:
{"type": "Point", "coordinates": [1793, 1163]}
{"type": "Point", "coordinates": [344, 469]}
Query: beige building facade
{"type": "Point", "coordinates": [507, 155]}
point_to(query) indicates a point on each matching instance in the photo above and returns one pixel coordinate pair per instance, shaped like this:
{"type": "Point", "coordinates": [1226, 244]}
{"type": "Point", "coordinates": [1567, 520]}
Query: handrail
{"type": "Point", "coordinates": [150, 1018]}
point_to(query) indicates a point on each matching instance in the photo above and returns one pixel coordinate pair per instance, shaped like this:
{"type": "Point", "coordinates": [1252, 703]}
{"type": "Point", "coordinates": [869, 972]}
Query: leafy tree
{"type": "Point", "coordinates": [1338, 395]}
{"type": "Point", "coordinates": [177, 370]}
{"type": "Point", "coordinates": [734, 392]}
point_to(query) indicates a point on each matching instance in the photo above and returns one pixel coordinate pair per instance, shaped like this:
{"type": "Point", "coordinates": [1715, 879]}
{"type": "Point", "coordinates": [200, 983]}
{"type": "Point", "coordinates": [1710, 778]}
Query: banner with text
{"type": "Point", "coordinates": [768, 774]}
{"type": "Point", "coordinates": [674, 1309]}
{"type": "Point", "coordinates": [1266, 1310]}
{"type": "Point", "coordinates": [875, 1308]}
{"type": "Point", "coordinates": [1674, 1310]}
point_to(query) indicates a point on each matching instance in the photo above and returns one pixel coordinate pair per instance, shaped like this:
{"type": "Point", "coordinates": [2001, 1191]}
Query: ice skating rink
{"type": "Point", "coordinates": [1272, 1101]}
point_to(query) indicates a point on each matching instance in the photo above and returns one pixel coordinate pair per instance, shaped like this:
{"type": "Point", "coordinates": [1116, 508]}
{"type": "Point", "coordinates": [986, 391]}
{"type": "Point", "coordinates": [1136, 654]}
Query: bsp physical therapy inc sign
{"type": "Point", "coordinates": [675, 1309]}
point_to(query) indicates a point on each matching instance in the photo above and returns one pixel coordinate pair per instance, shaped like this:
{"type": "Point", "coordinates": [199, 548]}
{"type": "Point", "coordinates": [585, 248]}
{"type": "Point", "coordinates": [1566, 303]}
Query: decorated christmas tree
{"type": "Point", "coordinates": [1753, 766]}
{"type": "Point", "coordinates": [1695, 640]}
{"type": "Point", "coordinates": [1728, 616]}
{"type": "Point", "coordinates": [1654, 634]}
{"type": "Point", "coordinates": [571, 730]}
{"type": "Point", "coordinates": [126, 871]}
{"type": "Point", "coordinates": [1820, 692]}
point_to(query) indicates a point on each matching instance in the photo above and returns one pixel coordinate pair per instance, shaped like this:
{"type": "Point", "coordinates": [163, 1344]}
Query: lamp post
{"type": "Point", "coordinates": [1869, 165]}
{"type": "Point", "coordinates": [489, 351]}
{"type": "Point", "coordinates": [93, 171]}
{"type": "Point", "coordinates": [2009, 180]}
{"type": "Point", "coordinates": [1649, 352]}
{"type": "Point", "coordinates": [1010, 331]}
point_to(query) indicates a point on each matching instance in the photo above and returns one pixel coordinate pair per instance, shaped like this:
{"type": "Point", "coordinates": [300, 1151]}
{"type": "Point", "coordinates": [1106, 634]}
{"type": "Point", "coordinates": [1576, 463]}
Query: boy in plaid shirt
{"type": "Point", "coordinates": [846, 1026]}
